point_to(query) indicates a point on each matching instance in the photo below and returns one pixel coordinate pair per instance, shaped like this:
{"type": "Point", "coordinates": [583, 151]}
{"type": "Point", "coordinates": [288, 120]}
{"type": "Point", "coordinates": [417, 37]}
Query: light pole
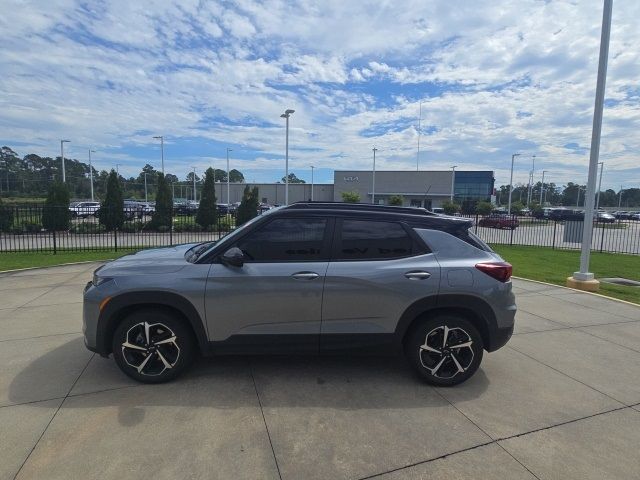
{"type": "Point", "coordinates": [583, 279]}
{"type": "Point", "coordinates": [453, 181]}
{"type": "Point", "coordinates": [542, 188]}
{"type": "Point", "coordinates": [118, 171]}
{"type": "Point", "coordinates": [531, 174]}
{"type": "Point", "coordinates": [312, 168]}
{"type": "Point", "coordinates": [373, 184]}
{"type": "Point", "coordinates": [578, 200]}
{"type": "Point", "coordinates": [228, 197]}
{"type": "Point", "coordinates": [195, 194]}
{"type": "Point", "coordinates": [146, 198]}
{"type": "Point", "coordinates": [599, 186]}
{"type": "Point", "coordinates": [620, 198]}
{"type": "Point", "coordinates": [161, 138]}
{"type": "Point", "coordinates": [91, 172]}
{"type": "Point", "coordinates": [419, 133]}
{"type": "Point", "coordinates": [511, 181]}
{"type": "Point", "coordinates": [287, 113]}
{"type": "Point", "coordinates": [64, 175]}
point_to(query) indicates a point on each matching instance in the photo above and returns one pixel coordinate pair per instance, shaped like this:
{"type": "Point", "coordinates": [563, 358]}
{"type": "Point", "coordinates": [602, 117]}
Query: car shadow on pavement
{"type": "Point", "coordinates": [345, 382]}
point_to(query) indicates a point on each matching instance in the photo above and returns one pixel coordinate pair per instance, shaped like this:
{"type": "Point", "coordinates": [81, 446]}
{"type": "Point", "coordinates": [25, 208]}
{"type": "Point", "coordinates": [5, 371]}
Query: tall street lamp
{"type": "Point", "coordinates": [161, 138]}
{"type": "Point", "coordinates": [513, 157]}
{"type": "Point", "coordinates": [419, 133]}
{"type": "Point", "coordinates": [373, 182]}
{"type": "Point", "coordinates": [228, 198]}
{"type": "Point", "coordinates": [91, 172]}
{"type": "Point", "coordinates": [542, 187]}
{"type": "Point", "coordinates": [64, 175]}
{"type": "Point", "coordinates": [599, 186]}
{"type": "Point", "coordinates": [287, 113]}
{"type": "Point", "coordinates": [453, 180]}
{"type": "Point", "coordinates": [312, 168]}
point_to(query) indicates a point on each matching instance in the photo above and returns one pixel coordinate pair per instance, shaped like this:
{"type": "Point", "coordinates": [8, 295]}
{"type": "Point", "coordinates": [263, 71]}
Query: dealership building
{"type": "Point", "coordinates": [419, 188]}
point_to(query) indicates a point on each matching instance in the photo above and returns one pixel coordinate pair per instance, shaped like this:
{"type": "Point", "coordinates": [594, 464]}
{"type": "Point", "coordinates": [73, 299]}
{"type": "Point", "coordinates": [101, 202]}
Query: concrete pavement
{"type": "Point", "coordinates": [562, 400]}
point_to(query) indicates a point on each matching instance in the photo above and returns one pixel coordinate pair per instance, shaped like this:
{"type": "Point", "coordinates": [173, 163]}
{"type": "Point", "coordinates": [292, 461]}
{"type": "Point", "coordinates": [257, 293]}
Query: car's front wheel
{"type": "Point", "coordinates": [445, 350]}
{"type": "Point", "coordinates": [153, 346]}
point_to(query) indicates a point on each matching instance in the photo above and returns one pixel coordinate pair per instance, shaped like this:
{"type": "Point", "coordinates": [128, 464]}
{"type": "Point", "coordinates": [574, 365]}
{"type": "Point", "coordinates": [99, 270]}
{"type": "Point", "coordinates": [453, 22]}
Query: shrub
{"type": "Point", "coordinates": [133, 227]}
{"type": "Point", "coordinates": [112, 208]}
{"type": "Point", "coordinates": [350, 197]}
{"type": "Point", "coordinates": [55, 214]}
{"type": "Point", "coordinates": [163, 216]}
{"type": "Point", "coordinates": [484, 208]}
{"type": "Point", "coordinates": [516, 208]}
{"type": "Point", "coordinates": [6, 217]}
{"type": "Point", "coordinates": [248, 208]}
{"type": "Point", "coordinates": [207, 210]}
{"type": "Point", "coordinates": [396, 200]}
{"type": "Point", "coordinates": [87, 228]}
{"type": "Point", "coordinates": [187, 227]}
{"type": "Point", "coordinates": [450, 208]}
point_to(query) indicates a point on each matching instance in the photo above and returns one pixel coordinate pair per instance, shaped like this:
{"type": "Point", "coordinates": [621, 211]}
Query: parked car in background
{"type": "Point", "coordinates": [562, 214]}
{"type": "Point", "coordinates": [223, 208]}
{"type": "Point", "coordinates": [621, 215]}
{"type": "Point", "coordinates": [132, 209]}
{"type": "Point", "coordinates": [148, 208]}
{"type": "Point", "coordinates": [185, 208]}
{"type": "Point", "coordinates": [604, 217]}
{"type": "Point", "coordinates": [635, 216]}
{"type": "Point", "coordinates": [497, 220]}
{"type": "Point", "coordinates": [309, 278]}
{"type": "Point", "coordinates": [438, 210]}
{"type": "Point", "coordinates": [543, 213]}
{"type": "Point", "coordinates": [83, 209]}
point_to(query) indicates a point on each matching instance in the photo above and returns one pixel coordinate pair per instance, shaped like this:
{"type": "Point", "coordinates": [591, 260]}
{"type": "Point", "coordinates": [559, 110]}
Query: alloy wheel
{"type": "Point", "coordinates": [150, 348]}
{"type": "Point", "coordinates": [446, 352]}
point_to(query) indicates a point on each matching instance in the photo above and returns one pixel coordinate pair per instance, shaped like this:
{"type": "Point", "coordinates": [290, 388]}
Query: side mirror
{"type": "Point", "coordinates": [233, 257]}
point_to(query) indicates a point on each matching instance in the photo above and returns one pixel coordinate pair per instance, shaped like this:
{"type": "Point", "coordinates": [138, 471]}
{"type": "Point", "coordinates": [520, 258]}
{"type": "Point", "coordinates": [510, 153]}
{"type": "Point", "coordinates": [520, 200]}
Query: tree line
{"type": "Point", "coordinates": [31, 176]}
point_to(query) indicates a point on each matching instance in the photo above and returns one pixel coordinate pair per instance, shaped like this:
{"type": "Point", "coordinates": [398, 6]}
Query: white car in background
{"type": "Point", "coordinates": [84, 209]}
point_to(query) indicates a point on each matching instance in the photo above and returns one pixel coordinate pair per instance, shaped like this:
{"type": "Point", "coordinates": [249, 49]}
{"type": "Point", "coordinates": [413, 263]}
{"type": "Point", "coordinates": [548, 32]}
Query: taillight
{"type": "Point", "coordinates": [501, 271]}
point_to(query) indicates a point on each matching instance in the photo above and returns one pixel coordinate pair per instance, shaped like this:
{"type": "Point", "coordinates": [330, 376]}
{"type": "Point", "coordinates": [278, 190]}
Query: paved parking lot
{"type": "Point", "coordinates": [562, 400]}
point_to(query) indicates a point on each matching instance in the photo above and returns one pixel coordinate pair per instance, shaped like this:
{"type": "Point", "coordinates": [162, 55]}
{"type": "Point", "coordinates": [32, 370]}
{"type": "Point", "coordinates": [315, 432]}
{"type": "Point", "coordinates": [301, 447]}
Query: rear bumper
{"type": "Point", "coordinates": [499, 338]}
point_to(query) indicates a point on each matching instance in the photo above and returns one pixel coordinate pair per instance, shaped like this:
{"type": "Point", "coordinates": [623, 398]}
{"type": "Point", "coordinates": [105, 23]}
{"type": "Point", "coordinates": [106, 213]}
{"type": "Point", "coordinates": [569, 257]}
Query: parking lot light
{"type": "Point", "coordinates": [513, 157]}
{"type": "Point", "coordinates": [453, 180]}
{"type": "Point", "coordinates": [287, 113]}
{"type": "Point", "coordinates": [62, 142]}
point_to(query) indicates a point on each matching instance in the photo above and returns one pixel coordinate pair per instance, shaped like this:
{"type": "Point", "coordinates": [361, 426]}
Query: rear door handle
{"type": "Point", "coordinates": [305, 275]}
{"type": "Point", "coordinates": [417, 275]}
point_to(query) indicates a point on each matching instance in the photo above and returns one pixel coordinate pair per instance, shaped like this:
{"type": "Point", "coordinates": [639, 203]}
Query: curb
{"type": "Point", "coordinates": [53, 266]}
{"type": "Point", "coordinates": [578, 291]}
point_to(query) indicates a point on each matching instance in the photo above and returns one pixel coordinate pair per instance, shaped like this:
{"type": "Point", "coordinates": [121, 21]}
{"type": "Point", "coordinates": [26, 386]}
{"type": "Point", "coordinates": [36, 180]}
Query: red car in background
{"type": "Point", "coordinates": [499, 221]}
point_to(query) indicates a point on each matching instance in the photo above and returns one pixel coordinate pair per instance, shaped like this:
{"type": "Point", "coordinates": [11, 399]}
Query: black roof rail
{"type": "Point", "coordinates": [361, 206]}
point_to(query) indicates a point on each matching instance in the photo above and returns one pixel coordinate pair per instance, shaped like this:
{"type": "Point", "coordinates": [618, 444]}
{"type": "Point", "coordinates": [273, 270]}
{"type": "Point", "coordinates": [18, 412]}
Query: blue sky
{"type": "Point", "coordinates": [493, 78]}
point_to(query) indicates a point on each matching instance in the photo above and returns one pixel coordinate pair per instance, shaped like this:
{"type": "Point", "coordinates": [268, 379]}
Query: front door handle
{"type": "Point", "coordinates": [419, 275]}
{"type": "Point", "coordinates": [305, 275]}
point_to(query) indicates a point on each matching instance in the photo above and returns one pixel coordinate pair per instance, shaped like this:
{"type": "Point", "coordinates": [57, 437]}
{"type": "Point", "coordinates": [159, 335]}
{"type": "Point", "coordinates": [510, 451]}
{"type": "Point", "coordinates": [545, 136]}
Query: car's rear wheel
{"type": "Point", "coordinates": [446, 350]}
{"type": "Point", "coordinates": [153, 346]}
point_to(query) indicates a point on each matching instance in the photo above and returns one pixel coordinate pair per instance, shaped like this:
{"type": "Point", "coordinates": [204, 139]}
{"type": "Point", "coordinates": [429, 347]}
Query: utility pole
{"type": "Point", "coordinates": [91, 172]}
{"type": "Point", "coordinates": [599, 186]}
{"type": "Point", "coordinates": [453, 180]}
{"type": "Point", "coordinates": [287, 113]}
{"type": "Point", "coordinates": [419, 134]}
{"type": "Point", "coordinates": [312, 167]}
{"type": "Point", "coordinates": [195, 193]}
{"type": "Point", "coordinates": [542, 188]}
{"type": "Point", "coordinates": [214, 178]}
{"type": "Point", "coordinates": [146, 198]}
{"type": "Point", "coordinates": [161, 137]}
{"type": "Point", "coordinates": [64, 175]}
{"type": "Point", "coordinates": [511, 181]}
{"type": "Point", "coordinates": [373, 185]}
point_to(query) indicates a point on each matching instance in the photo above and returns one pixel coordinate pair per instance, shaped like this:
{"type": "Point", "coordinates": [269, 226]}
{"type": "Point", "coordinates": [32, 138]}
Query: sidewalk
{"type": "Point", "coordinates": [561, 400]}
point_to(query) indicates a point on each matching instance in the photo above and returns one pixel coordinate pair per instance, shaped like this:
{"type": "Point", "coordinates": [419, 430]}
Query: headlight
{"type": "Point", "coordinates": [98, 280]}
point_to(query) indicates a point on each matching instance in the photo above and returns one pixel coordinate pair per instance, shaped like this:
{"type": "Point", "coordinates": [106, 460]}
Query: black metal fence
{"type": "Point", "coordinates": [621, 236]}
{"type": "Point", "coordinates": [22, 230]}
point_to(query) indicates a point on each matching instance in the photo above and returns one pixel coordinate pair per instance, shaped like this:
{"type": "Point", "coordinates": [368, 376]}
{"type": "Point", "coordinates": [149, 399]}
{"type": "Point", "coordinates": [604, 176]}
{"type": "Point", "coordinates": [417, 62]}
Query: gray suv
{"type": "Point", "coordinates": [306, 279]}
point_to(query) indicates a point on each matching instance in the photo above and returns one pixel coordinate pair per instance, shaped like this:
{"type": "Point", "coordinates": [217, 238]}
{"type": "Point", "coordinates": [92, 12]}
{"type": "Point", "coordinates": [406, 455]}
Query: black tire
{"type": "Point", "coordinates": [459, 331]}
{"type": "Point", "coordinates": [161, 349]}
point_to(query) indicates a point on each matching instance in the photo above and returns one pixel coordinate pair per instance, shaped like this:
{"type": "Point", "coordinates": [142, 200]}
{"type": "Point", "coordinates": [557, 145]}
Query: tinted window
{"type": "Point", "coordinates": [286, 239]}
{"type": "Point", "coordinates": [364, 239]}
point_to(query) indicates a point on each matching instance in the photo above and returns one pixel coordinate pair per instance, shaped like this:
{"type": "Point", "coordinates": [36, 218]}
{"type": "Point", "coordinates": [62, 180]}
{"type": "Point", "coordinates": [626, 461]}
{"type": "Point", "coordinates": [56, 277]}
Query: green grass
{"type": "Point", "coordinates": [554, 266]}
{"type": "Point", "coordinates": [12, 261]}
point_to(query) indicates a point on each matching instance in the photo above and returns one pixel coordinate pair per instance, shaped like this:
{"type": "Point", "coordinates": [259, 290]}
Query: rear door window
{"type": "Point", "coordinates": [373, 240]}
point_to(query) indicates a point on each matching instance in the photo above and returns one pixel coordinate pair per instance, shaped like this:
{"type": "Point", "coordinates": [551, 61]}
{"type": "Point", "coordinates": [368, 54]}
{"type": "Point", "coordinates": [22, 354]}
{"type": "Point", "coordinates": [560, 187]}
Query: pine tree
{"type": "Point", "coordinates": [207, 211]}
{"type": "Point", "coordinates": [56, 215]}
{"type": "Point", "coordinates": [163, 215]}
{"type": "Point", "coordinates": [248, 208]}
{"type": "Point", "coordinates": [112, 208]}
